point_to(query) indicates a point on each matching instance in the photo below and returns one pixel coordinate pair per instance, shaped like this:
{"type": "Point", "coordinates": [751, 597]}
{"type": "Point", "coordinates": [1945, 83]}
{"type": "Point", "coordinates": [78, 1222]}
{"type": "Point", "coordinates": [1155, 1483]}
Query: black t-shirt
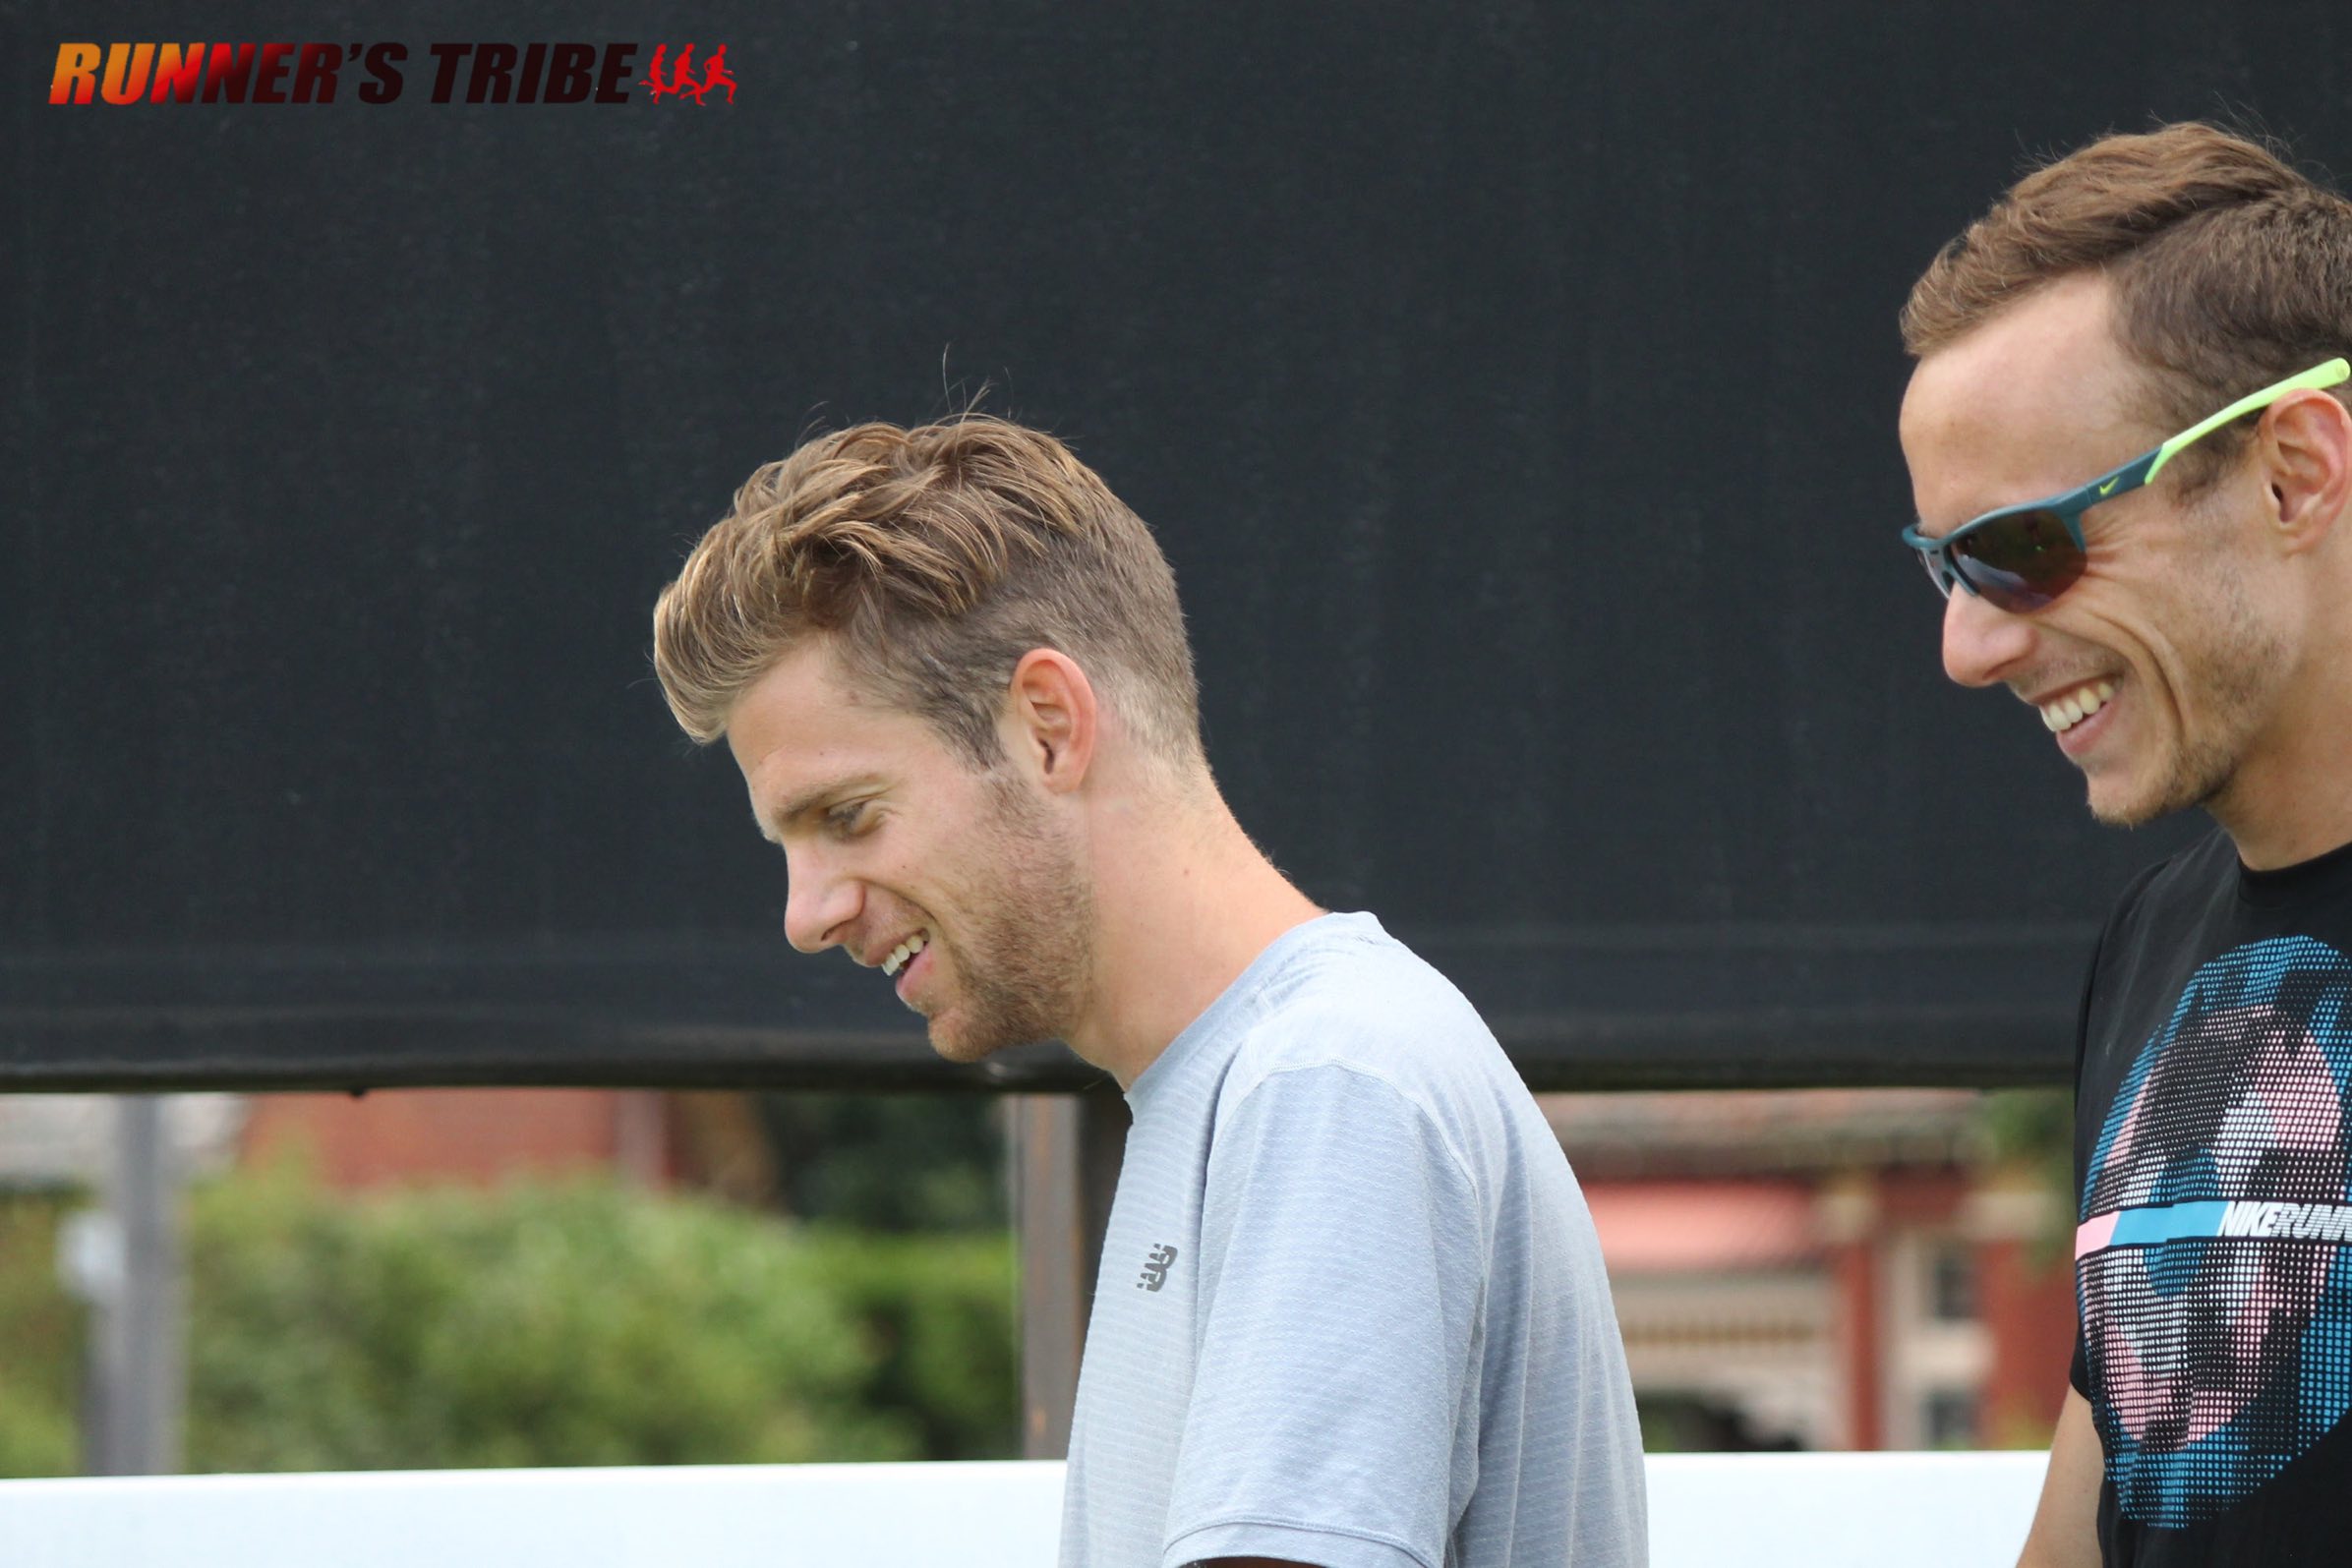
{"type": "Point", "coordinates": [2213, 1256]}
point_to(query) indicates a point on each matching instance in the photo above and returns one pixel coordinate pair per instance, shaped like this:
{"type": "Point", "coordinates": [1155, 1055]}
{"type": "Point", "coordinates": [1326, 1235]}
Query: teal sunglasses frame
{"type": "Point", "coordinates": [2026, 536]}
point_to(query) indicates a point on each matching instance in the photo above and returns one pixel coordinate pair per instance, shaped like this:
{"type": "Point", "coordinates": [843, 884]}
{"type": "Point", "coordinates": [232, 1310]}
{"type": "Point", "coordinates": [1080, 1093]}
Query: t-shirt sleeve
{"type": "Point", "coordinates": [1342, 1272]}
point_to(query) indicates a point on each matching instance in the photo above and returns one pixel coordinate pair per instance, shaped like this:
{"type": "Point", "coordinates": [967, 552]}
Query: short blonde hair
{"type": "Point", "coordinates": [937, 557]}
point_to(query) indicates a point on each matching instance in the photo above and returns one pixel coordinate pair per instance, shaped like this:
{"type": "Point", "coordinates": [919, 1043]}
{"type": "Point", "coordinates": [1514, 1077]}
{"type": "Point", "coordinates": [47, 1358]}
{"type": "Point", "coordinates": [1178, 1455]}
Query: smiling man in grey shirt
{"type": "Point", "coordinates": [1351, 1311]}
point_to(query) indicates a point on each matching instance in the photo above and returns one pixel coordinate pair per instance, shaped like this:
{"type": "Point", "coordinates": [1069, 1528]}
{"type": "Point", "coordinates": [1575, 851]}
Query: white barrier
{"type": "Point", "coordinates": [1706, 1511]}
{"type": "Point", "coordinates": [1842, 1510]}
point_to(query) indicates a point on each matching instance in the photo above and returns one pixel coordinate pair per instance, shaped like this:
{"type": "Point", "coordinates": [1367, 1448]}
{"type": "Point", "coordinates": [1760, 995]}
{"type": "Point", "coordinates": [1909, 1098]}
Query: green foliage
{"type": "Point", "coordinates": [946, 1311]}
{"type": "Point", "coordinates": [1691, 1424]}
{"type": "Point", "coordinates": [577, 1324]}
{"type": "Point", "coordinates": [890, 1162]}
{"type": "Point", "coordinates": [2033, 1130]}
{"type": "Point", "coordinates": [2036, 1126]}
{"type": "Point", "coordinates": [40, 1340]}
{"type": "Point", "coordinates": [573, 1324]}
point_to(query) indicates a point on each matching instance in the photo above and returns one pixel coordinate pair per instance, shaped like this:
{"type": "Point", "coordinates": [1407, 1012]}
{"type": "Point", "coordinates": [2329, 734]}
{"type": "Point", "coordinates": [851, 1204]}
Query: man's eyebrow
{"type": "Point", "coordinates": [774, 825]}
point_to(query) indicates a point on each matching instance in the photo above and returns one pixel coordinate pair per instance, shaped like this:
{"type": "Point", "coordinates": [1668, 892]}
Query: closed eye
{"type": "Point", "coordinates": [850, 819]}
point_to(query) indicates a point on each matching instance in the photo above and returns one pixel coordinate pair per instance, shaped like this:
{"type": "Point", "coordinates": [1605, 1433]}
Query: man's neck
{"type": "Point", "coordinates": [2296, 826]}
{"type": "Point", "coordinates": [2295, 800]}
{"type": "Point", "coordinates": [1179, 915]}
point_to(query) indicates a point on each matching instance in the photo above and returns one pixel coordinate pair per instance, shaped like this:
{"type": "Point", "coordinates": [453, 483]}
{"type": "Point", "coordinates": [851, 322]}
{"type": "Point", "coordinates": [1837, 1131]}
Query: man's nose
{"type": "Point", "coordinates": [1982, 642]}
{"type": "Point", "coordinates": [818, 905]}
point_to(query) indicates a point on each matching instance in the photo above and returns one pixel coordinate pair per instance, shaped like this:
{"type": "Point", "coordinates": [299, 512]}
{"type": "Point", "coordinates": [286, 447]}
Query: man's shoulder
{"type": "Point", "coordinates": [1359, 1002]}
{"type": "Point", "coordinates": [2184, 884]}
{"type": "Point", "coordinates": [1356, 994]}
{"type": "Point", "coordinates": [2195, 871]}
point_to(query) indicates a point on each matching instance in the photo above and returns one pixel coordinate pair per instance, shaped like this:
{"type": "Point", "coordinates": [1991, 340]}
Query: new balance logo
{"type": "Point", "coordinates": [1155, 1272]}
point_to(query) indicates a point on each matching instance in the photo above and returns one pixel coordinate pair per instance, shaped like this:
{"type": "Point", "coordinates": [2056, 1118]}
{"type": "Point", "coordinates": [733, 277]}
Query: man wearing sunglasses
{"type": "Point", "coordinates": [2132, 468]}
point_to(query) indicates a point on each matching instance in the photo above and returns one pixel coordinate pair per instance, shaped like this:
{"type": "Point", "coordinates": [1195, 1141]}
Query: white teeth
{"type": "Point", "coordinates": [2074, 707]}
{"type": "Point", "coordinates": [904, 952]}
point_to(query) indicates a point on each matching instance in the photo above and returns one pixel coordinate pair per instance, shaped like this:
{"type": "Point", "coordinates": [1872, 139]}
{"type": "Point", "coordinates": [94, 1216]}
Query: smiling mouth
{"type": "Point", "coordinates": [2076, 706]}
{"type": "Point", "coordinates": [904, 954]}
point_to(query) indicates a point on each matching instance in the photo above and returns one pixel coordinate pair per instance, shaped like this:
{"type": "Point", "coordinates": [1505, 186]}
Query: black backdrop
{"type": "Point", "coordinates": [1513, 385]}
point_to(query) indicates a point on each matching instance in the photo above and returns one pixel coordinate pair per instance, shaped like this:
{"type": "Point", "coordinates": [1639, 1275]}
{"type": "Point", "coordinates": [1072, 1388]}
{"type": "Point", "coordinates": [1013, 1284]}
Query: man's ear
{"type": "Point", "coordinates": [1052, 719]}
{"type": "Point", "coordinates": [2307, 447]}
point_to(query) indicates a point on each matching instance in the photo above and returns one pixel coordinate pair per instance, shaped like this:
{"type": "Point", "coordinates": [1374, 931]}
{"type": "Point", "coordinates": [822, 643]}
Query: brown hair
{"type": "Point", "coordinates": [937, 557]}
{"type": "Point", "coordinates": [2230, 269]}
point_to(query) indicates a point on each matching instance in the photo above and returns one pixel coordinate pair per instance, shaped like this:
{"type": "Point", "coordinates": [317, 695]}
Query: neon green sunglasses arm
{"type": "Point", "coordinates": [2318, 376]}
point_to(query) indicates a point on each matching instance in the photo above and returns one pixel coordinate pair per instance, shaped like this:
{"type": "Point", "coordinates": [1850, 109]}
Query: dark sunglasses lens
{"type": "Point", "coordinates": [2021, 561]}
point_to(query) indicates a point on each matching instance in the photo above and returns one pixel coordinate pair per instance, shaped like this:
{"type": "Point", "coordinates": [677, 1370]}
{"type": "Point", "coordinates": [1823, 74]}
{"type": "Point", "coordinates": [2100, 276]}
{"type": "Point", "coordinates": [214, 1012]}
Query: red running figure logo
{"type": "Point", "coordinates": [680, 82]}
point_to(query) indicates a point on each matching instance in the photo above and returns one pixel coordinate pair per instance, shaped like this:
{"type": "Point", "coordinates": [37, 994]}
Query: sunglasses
{"type": "Point", "coordinates": [2020, 557]}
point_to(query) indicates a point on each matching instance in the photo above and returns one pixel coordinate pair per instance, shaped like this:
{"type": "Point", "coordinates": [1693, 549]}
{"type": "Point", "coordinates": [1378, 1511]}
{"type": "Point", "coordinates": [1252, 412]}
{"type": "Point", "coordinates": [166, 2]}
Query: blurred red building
{"type": "Point", "coordinates": [1825, 1268]}
{"type": "Point", "coordinates": [659, 1137]}
{"type": "Point", "coordinates": [1810, 1270]}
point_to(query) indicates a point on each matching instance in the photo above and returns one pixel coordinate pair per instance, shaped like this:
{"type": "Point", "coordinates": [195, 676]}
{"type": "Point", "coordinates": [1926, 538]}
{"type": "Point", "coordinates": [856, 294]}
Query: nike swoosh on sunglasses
{"type": "Point", "coordinates": [2020, 557]}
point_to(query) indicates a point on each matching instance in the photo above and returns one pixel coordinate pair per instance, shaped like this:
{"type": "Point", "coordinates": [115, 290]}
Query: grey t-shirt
{"type": "Point", "coordinates": [1351, 1310]}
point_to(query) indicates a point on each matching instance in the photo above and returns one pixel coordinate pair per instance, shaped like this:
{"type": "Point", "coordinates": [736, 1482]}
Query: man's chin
{"type": "Point", "coordinates": [964, 1045]}
{"type": "Point", "coordinates": [2122, 797]}
{"type": "Point", "coordinates": [955, 1045]}
{"type": "Point", "coordinates": [2123, 811]}
{"type": "Point", "coordinates": [2137, 802]}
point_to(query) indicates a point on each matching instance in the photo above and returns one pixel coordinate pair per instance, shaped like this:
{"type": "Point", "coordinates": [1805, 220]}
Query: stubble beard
{"type": "Point", "coordinates": [2234, 679]}
{"type": "Point", "coordinates": [1021, 960]}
